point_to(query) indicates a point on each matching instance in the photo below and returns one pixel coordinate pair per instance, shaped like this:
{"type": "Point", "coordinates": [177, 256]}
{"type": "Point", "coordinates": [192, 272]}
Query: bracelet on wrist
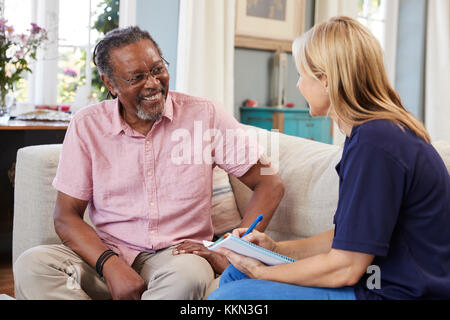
{"type": "Point", "coordinates": [102, 259]}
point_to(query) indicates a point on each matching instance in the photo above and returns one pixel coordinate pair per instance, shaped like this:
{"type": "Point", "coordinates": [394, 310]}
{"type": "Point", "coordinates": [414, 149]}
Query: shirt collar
{"type": "Point", "coordinates": [119, 125]}
{"type": "Point", "coordinates": [117, 121]}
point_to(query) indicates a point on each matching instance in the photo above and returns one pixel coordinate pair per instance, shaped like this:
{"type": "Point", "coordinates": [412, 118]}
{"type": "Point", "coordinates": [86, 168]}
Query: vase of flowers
{"type": "Point", "coordinates": [16, 52]}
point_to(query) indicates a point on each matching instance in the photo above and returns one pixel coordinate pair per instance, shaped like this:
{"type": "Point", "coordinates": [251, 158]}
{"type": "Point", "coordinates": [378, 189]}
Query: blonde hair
{"type": "Point", "coordinates": [352, 60]}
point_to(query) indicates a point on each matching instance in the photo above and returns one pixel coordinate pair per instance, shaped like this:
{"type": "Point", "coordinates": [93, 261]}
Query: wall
{"type": "Point", "coordinates": [410, 68]}
{"type": "Point", "coordinates": [162, 23]}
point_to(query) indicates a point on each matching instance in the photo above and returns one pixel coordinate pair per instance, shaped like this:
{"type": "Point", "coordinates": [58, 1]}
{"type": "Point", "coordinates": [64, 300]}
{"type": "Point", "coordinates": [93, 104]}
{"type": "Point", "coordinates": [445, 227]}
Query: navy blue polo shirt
{"type": "Point", "coordinates": [394, 203]}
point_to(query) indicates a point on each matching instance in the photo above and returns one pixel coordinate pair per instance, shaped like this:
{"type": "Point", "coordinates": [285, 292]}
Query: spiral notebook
{"type": "Point", "coordinates": [246, 248]}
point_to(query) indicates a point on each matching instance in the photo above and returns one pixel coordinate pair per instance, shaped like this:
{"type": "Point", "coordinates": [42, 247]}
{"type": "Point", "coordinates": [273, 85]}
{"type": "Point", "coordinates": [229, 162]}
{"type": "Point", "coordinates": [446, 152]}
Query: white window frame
{"type": "Point", "coordinates": [390, 12]}
{"type": "Point", "coordinates": [391, 34]}
{"type": "Point", "coordinates": [42, 82]}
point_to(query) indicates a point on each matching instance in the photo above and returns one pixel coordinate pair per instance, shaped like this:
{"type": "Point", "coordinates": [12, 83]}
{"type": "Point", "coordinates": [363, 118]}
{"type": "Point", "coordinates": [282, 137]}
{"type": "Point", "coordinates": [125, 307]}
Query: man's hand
{"type": "Point", "coordinates": [217, 261]}
{"type": "Point", "coordinates": [123, 282]}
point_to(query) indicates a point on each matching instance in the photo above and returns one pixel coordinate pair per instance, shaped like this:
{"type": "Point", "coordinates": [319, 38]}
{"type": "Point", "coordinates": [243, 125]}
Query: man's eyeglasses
{"type": "Point", "coordinates": [142, 78]}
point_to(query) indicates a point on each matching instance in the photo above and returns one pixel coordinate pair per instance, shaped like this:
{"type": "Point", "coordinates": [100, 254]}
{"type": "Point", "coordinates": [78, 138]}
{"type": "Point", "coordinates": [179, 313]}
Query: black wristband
{"type": "Point", "coordinates": [102, 259]}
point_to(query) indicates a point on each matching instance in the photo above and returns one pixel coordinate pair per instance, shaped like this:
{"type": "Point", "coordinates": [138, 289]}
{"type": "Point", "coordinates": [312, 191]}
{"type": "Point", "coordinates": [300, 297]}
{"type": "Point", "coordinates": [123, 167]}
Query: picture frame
{"type": "Point", "coordinates": [269, 24]}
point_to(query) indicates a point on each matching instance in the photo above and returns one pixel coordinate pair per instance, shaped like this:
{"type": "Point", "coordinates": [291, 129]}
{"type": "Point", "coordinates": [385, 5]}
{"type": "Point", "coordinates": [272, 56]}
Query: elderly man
{"type": "Point", "coordinates": [150, 212]}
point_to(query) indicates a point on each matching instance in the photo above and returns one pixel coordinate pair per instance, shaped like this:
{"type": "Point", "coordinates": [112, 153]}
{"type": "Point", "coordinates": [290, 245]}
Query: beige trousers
{"type": "Point", "coordinates": [56, 272]}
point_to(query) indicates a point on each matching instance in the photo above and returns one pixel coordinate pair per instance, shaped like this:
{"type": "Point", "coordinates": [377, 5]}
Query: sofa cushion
{"type": "Point", "coordinates": [443, 148]}
{"type": "Point", "coordinates": [307, 169]}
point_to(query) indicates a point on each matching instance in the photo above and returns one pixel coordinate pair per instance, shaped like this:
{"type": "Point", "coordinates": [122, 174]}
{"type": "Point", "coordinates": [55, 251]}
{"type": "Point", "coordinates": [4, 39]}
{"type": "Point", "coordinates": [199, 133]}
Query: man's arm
{"type": "Point", "coordinates": [268, 190]}
{"type": "Point", "coordinates": [123, 282]}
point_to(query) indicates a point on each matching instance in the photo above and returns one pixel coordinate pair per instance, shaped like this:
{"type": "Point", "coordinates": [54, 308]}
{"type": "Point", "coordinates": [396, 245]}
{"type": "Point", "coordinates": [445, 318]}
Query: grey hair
{"type": "Point", "coordinates": [114, 39]}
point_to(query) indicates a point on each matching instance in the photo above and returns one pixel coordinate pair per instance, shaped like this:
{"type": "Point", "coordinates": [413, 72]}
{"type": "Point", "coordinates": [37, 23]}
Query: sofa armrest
{"type": "Point", "coordinates": [34, 197]}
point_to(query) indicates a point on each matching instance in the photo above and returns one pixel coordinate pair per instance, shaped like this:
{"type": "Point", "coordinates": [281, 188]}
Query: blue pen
{"type": "Point", "coordinates": [258, 220]}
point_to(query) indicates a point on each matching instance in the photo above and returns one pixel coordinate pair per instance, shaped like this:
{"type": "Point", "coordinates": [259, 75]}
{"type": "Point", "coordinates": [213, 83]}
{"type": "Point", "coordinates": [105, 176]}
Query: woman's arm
{"type": "Point", "coordinates": [301, 249]}
{"type": "Point", "coordinates": [337, 268]}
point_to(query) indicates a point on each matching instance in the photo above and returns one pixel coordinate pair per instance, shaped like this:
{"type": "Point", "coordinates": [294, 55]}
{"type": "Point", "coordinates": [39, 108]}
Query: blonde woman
{"type": "Point", "coordinates": [394, 193]}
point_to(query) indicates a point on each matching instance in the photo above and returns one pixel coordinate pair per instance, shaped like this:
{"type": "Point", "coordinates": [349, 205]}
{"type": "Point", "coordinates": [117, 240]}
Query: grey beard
{"type": "Point", "coordinates": [141, 114]}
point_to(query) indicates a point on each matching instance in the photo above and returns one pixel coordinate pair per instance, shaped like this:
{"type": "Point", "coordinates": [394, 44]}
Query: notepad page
{"type": "Point", "coordinates": [249, 249]}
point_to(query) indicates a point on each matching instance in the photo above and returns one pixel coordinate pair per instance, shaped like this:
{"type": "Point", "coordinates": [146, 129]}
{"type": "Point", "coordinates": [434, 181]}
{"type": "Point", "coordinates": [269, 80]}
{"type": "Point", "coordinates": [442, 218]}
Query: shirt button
{"type": "Point", "coordinates": [149, 173]}
{"type": "Point", "coordinates": [152, 204]}
{"type": "Point", "coordinates": [152, 232]}
{"type": "Point", "coordinates": [147, 142]}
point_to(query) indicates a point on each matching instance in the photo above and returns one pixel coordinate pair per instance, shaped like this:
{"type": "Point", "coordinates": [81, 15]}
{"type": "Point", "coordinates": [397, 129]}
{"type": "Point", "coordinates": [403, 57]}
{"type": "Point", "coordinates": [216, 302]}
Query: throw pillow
{"type": "Point", "coordinates": [224, 212]}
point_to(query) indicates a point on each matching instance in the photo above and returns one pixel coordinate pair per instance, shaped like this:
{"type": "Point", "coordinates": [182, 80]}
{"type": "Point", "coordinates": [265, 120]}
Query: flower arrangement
{"type": "Point", "coordinates": [16, 51]}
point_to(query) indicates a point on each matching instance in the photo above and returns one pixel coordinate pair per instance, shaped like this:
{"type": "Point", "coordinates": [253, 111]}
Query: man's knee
{"type": "Point", "coordinates": [31, 261]}
{"type": "Point", "coordinates": [188, 277]}
{"type": "Point", "coordinates": [28, 268]}
{"type": "Point", "coordinates": [194, 274]}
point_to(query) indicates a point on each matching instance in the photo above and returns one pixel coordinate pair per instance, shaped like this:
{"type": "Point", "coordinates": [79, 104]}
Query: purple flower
{"type": "Point", "coordinates": [20, 54]}
{"type": "Point", "coordinates": [3, 25]}
{"type": "Point", "coordinates": [3, 22]}
{"type": "Point", "coordinates": [70, 72]}
{"type": "Point", "coordinates": [35, 28]}
{"type": "Point", "coordinates": [23, 37]}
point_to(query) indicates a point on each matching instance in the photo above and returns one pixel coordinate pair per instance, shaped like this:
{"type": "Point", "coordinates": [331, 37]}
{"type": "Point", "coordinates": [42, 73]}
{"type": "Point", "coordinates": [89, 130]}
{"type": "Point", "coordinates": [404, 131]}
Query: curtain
{"type": "Point", "coordinates": [205, 63]}
{"type": "Point", "coordinates": [326, 9]}
{"type": "Point", "coordinates": [437, 85]}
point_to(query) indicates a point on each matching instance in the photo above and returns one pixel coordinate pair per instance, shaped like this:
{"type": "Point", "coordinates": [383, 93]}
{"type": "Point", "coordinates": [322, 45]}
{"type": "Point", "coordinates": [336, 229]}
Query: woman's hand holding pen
{"type": "Point", "coordinates": [256, 237]}
{"type": "Point", "coordinates": [251, 267]}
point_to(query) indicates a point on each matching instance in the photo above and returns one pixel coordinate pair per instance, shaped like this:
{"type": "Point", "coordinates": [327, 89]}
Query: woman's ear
{"type": "Point", "coordinates": [324, 80]}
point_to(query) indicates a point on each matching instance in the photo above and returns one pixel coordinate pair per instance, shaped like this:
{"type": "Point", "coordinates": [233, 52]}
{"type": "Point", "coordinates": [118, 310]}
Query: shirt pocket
{"type": "Point", "coordinates": [187, 181]}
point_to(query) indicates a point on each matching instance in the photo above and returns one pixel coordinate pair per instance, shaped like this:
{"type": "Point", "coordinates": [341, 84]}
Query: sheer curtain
{"type": "Point", "coordinates": [206, 50]}
{"type": "Point", "coordinates": [437, 85]}
{"type": "Point", "coordinates": [326, 9]}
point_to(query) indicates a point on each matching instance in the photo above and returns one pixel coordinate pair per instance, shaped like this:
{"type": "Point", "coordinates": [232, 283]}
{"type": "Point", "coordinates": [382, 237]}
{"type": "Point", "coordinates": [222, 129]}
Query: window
{"type": "Point", "coordinates": [371, 13]}
{"type": "Point", "coordinates": [79, 25]}
{"type": "Point", "coordinates": [95, 17]}
{"type": "Point", "coordinates": [381, 17]}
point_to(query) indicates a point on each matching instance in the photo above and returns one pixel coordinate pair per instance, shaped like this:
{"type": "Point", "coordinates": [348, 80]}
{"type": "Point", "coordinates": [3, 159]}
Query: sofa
{"type": "Point", "coordinates": [306, 167]}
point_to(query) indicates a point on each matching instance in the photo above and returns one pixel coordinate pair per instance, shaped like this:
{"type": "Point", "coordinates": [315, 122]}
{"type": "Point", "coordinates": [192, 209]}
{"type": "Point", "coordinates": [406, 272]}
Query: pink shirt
{"type": "Point", "coordinates": [149, 192]}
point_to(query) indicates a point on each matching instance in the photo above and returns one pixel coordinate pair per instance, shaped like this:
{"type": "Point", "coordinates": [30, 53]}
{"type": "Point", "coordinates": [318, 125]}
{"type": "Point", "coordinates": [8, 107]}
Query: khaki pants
{"type": "Point", "coordinates": [56, 272]}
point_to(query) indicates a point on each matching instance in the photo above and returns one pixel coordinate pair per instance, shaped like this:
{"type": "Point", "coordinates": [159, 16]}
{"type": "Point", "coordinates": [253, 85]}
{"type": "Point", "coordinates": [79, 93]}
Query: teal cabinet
{"type": "Point", "coordinates": [292, 121]}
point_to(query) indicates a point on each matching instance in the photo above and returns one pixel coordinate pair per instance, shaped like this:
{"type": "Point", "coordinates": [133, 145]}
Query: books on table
{"type": "Point", "coordinates": [246, 248]}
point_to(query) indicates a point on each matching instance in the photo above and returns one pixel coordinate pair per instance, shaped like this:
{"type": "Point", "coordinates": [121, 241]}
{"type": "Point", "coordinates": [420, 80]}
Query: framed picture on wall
{"type": "Point", "coordinates": [269, 24]}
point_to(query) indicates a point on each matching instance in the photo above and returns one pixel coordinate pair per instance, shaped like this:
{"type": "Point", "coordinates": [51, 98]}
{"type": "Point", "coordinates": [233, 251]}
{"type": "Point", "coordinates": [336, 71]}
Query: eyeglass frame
{"type": "Point", "coordinates": [146, 74]}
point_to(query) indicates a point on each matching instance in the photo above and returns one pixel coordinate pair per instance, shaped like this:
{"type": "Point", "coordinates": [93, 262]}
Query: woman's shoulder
{"type": "Point", "coordinates": [391, 139]}
{"type": "Point", "coordinates": [385, 134]}
{"type": "Point", "coordinates": [378, 128]}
